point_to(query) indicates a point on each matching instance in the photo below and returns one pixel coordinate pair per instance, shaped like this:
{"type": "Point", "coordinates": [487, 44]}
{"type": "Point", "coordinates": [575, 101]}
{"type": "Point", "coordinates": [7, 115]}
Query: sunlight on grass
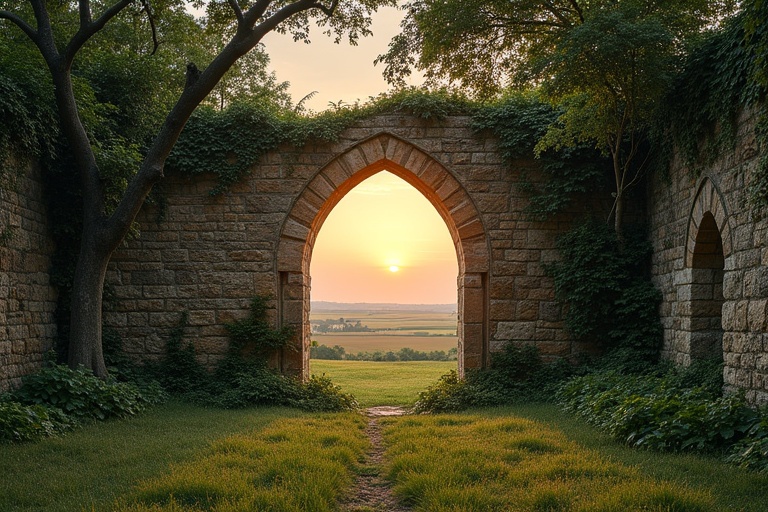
{"type": "Point", "coordinates": [383, 383]}
{"type": "Point", "coordinates": [474, 463]}
{"type": "Point", "coordinates": [89, 468]}
{"type": "Point", "coordinates": [297, 464]}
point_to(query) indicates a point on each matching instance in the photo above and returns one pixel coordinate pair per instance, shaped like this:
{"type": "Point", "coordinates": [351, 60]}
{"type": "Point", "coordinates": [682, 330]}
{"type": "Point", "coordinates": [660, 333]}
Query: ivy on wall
{"type": "Point", "coordinates": [519, 121]}
{"type": "Point", "coordinates": [722, 77]}
{"type": "Point", "coordinates": [229, 142]}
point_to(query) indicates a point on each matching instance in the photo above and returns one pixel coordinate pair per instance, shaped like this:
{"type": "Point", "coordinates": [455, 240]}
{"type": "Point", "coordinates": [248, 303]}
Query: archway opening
{"type": "Point", "coordinates": [383, 273]}
{"type": "Point", "coordinates": [708, 262]}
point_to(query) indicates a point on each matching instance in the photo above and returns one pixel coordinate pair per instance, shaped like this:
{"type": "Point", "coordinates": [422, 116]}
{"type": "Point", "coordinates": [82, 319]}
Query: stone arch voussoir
{"type": "Point", "coordinates": [385, 151]}
{"type": "Point", "coordinates": [710, 200]}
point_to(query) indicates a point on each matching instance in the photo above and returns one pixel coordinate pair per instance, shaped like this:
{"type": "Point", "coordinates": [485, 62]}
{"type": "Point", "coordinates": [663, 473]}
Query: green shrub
{"type": "Point", "coordinates": [19, 422]}
{"type": "Point", "coordinates": [242, 378]}
{"type": "Point", "coordinates": [319, 393]}
{"type": "Point", "coordinates": [678, 410]}
{"type": "Point", "coordinates": [516, 374]}
{"type": "Point", "coordinates": [752, 451]}
{"type": "Point", "coordinates": [81, 395]}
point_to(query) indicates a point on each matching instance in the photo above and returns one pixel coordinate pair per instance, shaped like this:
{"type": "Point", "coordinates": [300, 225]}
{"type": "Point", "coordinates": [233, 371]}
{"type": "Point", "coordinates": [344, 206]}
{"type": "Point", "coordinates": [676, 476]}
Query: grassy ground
{"type": "Point", "coordinates": [732, 488]}
{"type": "Point", "coordinates": [94, 465]}
{"type": "Point", "coordinates": [373, 383]}
{"type": "Point", "coordinates": [180, 457]}
{"type": "Point", "coordinates": [371, 342]}
{"type": "Point", "coordinates": [477, 463]}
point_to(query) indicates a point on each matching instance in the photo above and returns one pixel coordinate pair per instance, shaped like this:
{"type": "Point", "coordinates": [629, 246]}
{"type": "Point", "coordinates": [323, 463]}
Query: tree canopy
{"type": "Point", "coordinates": [604, 64]}
{"type": "Point", "coordinates": [120, 131]}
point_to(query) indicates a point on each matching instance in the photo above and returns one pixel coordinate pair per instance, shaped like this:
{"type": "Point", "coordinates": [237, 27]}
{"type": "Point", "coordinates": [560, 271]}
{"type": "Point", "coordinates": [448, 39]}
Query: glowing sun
{"type": "Point", "coordinates": [394, 268]}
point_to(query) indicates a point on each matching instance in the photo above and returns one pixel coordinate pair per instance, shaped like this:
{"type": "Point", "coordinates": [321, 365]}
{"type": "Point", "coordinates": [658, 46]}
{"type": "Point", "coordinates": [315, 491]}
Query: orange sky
{"type": "Point", "coordinates": [384, 222]}
{"type": "Point", "coordinates": [336, 71]}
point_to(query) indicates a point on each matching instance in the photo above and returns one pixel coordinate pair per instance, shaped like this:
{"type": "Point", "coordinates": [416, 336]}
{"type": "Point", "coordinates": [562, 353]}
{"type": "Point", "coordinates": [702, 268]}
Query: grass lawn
{"type": "Point", "coordinates": [383, 383]}
{"type": "Point", "coordinates": [480, 462]}
{"type": "Point", "coordinates": [534, 458]}
{"type": "Point", "coordinates": [90, 467]}
{"type": "Point", "coordinates": [732, 488]}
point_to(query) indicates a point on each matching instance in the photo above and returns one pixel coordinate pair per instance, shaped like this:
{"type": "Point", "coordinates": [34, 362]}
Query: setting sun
{"type": "Point", "coordinates": [394, 268]}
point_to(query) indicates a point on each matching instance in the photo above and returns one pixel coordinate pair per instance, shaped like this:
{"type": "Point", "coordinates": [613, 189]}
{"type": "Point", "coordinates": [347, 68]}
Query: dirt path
{"type": "Point", "coordinates": [371, 491]}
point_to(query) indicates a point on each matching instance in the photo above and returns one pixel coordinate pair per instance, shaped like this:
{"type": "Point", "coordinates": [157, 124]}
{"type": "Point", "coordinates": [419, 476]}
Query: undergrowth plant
{"type": "Point", "coordinates": [243, 378]}
{"type": "Point", "coordinates": [58, 398]}
{"type": "Point", "coordinates": [680, 409]}
{"type": "Point", "coordinates": [516, 374]}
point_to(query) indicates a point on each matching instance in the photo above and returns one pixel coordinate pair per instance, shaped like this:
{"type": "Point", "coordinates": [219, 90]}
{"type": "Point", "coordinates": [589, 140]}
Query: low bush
{"type": "Point", "coordinates": [20, 422]}
{"type": "Point", "coordinates": [81, 395]}
{"type": "Point", "coordinates": [673, 410]}
{"type": "Point", "coordinates": [57, 398]}
{"type": "Point", "coordinates": [242, 378]}
{"type": "Point", "coordinates": [516, 374]}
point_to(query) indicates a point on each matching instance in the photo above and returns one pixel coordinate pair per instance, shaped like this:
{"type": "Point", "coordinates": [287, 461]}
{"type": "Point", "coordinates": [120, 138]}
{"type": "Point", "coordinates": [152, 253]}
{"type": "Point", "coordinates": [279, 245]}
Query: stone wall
{"type": "Point", "coordinates": [27, 299]}
{"type": "Point", "coordinates": [208, 255]}
{"type": "Point", "coordinates": [711, 263]}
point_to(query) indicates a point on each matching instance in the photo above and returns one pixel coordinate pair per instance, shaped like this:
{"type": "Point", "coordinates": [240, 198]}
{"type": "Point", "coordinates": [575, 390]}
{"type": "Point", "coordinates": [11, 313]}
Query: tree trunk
{"type": "Point", "coordinates": [85, 334]}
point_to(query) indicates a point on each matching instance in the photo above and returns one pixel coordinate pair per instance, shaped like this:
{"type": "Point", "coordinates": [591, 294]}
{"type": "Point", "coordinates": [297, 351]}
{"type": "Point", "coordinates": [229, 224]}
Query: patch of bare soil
{"type": "Point", "coordinates": [372, 493]}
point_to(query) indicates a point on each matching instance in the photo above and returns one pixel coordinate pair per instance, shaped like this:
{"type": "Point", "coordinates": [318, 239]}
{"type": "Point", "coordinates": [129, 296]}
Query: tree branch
{"type": "Point", "coordinates": [236, 8]}
{"type": "Point", "coordinates": [578, 10]}
{"type": "Point", "coordinates": [148, 9]}
{"type": "Point", "coordinates": [88, 29]}
{"type": "Point", "coordinates": [23, 25]}
{"type": "Point", "coordinates": [327, 10]}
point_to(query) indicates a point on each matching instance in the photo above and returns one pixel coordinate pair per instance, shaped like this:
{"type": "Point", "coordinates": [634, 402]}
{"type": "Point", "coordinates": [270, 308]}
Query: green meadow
{"type": "Point", "coordinates": [179, 457]}
{"type": "Point", "coordinates": [382, 383]}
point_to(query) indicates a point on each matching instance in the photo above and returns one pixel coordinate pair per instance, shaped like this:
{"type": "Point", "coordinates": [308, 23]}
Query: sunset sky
{"type": "Point", "coordinates": [335, 71]}
{"type": "Point", "coordinates": [381, 224]}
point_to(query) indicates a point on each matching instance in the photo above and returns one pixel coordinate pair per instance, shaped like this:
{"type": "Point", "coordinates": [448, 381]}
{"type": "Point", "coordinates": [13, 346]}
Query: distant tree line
{"type": "Point", "coordinates": [338, 353]}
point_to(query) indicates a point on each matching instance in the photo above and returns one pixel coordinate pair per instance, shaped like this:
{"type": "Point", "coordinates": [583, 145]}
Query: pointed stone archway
{"type": "Point", "coordinates": [428, 176]}
{"type": "Point", "coordinates": [708, 243]}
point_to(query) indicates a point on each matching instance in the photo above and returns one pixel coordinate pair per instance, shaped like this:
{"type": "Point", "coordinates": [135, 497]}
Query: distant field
{"type": "Point", "coordinates": [403, 321]}
{"type": "Point", "coordinates": [384, 383]}
{"type": "Point", "coordinates": [355, 342]}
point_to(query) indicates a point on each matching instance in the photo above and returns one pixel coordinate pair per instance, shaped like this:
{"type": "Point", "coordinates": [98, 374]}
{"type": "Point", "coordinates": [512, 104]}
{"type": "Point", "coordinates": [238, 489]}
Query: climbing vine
{"type": "Point", "coordinates": [229, 142]}
{"type": "Point", "coordinates": [721, 78]}
{"type": "Point", "coordinates": [519, 121]}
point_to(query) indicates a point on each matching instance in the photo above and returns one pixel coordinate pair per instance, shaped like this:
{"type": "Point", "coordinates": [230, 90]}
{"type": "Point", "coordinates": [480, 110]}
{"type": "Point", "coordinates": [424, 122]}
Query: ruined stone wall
{"type": "Point", "coordinates": [27, 299]}
{"type": "Point", "coordinates": [208, 255]}
{"type": "Point", "coordinates": [711, 263]}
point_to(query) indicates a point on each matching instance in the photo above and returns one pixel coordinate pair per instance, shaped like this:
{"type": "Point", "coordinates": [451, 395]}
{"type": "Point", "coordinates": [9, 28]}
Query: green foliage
{"type": "Point", "coordinates": [335, 353]}
{"type": "Point", "coordinates": [242, 378]}
{"type": "Point", "coordinates": [28, 120]}
{"type": "Point", "coordinates": [80, 395]}
{"type": "Point", "coordinates": [404, 354]}
{"type": "Point", "coordinates": [254, 335]}
{"type": "Point", "coordinates": [751, 452]}
{"type": "Point", "coordinates": [520, 121]}
{"type": "Point", "coordinates": [602, 281]}
{"type": "Point", "coordinates": [229, 142]}
{"type": "Point", "coordinates": [721, 77]}
{"type": "Point", "coordinates": [516, 374]}
{"type": "Point", "coordinates": [676, 410]}
{"type": "Point", "coordinates": [20, 422]}
{"type": "Point", "coordinates": [179, 370]}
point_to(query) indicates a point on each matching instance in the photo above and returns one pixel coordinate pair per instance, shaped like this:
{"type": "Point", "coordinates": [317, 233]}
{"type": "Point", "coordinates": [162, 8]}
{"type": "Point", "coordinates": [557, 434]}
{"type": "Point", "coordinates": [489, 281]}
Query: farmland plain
{"type": "Point", "coordinates": [424, 331]}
